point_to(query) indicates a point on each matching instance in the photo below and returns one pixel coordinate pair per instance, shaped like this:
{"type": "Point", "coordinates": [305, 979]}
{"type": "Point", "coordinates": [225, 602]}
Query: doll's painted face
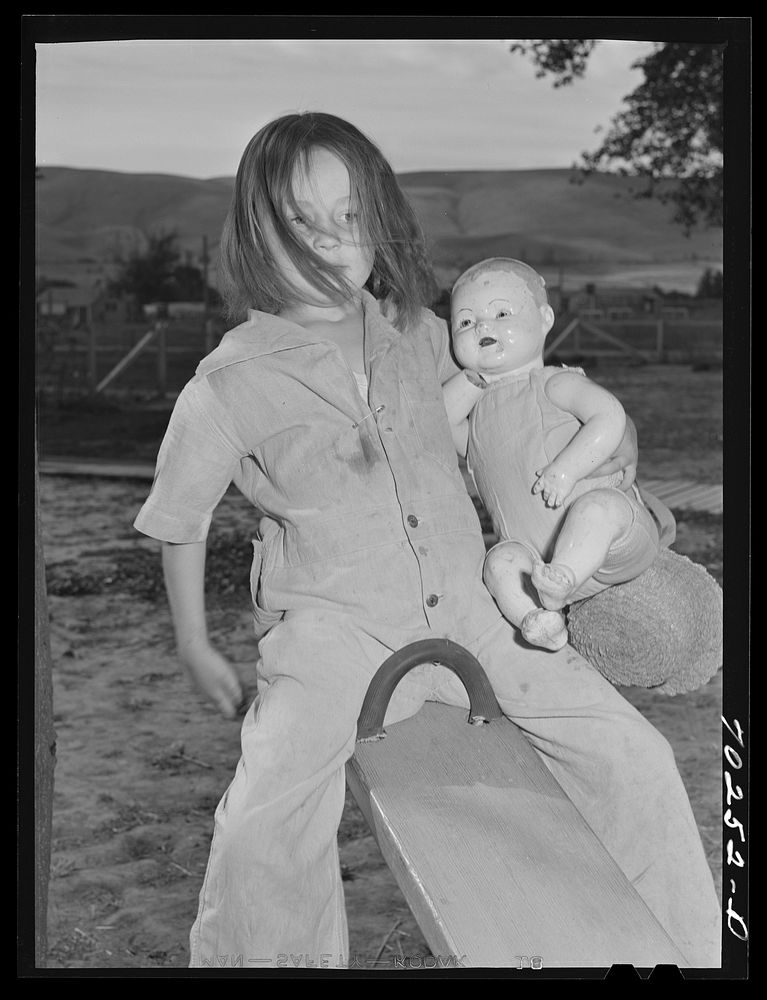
{"type": "Point", "coordinates": [497, 324]}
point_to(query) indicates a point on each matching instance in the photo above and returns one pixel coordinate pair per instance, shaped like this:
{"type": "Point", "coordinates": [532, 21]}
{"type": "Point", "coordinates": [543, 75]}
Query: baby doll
{"type": "Point", "coordinates": [532, 440]}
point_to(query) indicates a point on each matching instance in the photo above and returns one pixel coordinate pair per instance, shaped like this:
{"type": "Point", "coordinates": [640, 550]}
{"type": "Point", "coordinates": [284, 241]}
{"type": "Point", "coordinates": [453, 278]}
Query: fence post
{"type": "Point", "coordinates": [162, 359]}
{"type": "Point", "coordinates": [44, 742]}
{"type": "Point", "coordinates": [659, 349]}
{"type": "Point", "coordinates": [560, 337]}
{"type": "Point", "coordinates": [92, 363]}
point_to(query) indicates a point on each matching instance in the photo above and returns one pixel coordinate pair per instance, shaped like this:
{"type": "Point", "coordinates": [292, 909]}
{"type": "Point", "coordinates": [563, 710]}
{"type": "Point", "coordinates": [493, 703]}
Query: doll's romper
{"type": "Point", "coordinates": [371, 542]}
{"type": "Point", "coordinates": [515, 430]}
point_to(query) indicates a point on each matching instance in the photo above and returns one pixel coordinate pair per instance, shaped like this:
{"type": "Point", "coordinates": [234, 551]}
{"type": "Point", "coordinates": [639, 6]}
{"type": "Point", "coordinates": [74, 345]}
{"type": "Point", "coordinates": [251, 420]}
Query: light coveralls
{"type": "Point", "coordinates": [372, 542]}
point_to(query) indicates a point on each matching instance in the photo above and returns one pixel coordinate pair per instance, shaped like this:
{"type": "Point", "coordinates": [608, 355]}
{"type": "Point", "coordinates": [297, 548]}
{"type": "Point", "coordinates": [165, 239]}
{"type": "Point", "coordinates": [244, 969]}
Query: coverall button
{"type": "Point", "coordinates": [432, 600]}
{"type": "Point", "coordinates": [412, 520]}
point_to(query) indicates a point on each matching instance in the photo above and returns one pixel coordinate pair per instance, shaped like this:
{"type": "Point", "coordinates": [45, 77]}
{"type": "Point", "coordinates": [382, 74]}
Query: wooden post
{"type": "Point", "coordinates": [92, 358]}
{"type": "Point", "coordinates": [45, 746]}
{"type": "Point", "coordinates": [659, 349]}
{"type": "Point", "coordinates": [550, 348]}
{"type": "Point", "coordinates": [124, 362]}
{"type": "Point", "coordinates": [205, 261]}
{"type": "Point", "coordinates": [597, 331]}
{"type": "Point", "coordinates": [208, 335]}
{"type": "Point", "coordinates": [162, 358]}
{"type": "Point", "coordinates": [208, 325]}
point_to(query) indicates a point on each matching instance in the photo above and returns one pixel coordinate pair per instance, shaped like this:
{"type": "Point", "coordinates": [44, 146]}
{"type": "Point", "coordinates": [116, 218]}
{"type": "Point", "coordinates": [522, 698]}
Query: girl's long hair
{"type": "Point", "coordinates": [402, 277]}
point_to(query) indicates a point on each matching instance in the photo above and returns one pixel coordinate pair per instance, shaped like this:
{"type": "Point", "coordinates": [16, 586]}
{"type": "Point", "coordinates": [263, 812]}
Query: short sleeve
{"type": "Point", "coordinates": [197, 461]}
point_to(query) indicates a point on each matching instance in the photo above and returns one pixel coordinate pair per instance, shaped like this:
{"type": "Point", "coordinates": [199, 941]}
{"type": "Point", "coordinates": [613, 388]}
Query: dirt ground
{"type": "Point", "coordinates": [142, 761]}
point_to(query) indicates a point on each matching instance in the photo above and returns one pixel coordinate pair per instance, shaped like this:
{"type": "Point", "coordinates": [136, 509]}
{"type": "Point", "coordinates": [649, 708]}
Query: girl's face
{"type": "Point", "coordinates": [323, 217]}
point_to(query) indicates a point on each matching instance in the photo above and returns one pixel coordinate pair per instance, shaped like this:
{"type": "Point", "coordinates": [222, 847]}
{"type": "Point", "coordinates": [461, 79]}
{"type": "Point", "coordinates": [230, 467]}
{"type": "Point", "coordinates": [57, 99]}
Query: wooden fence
{"type": "Point", "coordinates": [157, 358]}
{"type": "Point", "coordinates": [655, 340]}
{"type": "Point", "coordinates": [160, 358]}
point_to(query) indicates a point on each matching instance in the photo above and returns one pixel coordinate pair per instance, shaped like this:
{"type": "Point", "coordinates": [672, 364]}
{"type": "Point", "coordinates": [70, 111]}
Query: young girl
{"type": "Point", "coordinates": [325, 408]}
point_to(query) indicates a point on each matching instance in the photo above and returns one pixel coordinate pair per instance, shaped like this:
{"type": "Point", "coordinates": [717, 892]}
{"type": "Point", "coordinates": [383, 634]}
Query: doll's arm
{"type": "Point", "coordinates": [460, 395]}
{"type": "Point", "coordinates": [603, 424]}
{"type": "Point", "coordinates": [184, 569]}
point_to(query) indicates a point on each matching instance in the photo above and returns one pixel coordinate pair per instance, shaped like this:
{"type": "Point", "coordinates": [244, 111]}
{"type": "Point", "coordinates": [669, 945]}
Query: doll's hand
{"type": "Point", "coordinates": [555, 487]}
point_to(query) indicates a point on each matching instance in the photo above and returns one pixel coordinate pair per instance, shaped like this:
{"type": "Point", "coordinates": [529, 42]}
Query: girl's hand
{"type": "Point", "coordinates": [184, 567]}
{"type": "Point", "coordinates": [625, 458]}
{"type": "Point", "coordinates": [214, 676]}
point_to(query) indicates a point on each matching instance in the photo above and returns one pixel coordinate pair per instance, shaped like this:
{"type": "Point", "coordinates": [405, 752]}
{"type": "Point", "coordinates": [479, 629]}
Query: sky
{"type": "Point", "coordinates": [189, 107]}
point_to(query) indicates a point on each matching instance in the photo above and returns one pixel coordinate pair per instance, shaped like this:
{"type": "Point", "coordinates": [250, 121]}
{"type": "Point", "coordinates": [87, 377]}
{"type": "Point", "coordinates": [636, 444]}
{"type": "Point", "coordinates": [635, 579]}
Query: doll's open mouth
{"type": "Point", "coordinates": [487, 341]}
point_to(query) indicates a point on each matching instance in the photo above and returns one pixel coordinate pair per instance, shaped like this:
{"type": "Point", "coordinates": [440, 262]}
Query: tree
{"type": "Point", "coordinates": [186, 284]}
{"type": "Point", "coordinates": [148, 276]}
{"type": "Point", "coordinates": [156, 275]}
{"type": "Point", "coordinates": [566, 58]}
{"type": "Point", "coordinates": [711, 285]}
{"type": "Point", "coordinates": [670, 132]}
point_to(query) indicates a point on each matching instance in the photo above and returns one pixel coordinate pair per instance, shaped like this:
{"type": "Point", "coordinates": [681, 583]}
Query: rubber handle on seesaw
{"type": "Point", "coordinates": [483, 704]}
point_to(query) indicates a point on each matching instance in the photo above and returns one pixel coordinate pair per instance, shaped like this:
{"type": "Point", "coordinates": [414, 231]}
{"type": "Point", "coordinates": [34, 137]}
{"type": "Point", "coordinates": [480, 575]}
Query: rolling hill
{"type": "Point", "coordinates": [583, 231]}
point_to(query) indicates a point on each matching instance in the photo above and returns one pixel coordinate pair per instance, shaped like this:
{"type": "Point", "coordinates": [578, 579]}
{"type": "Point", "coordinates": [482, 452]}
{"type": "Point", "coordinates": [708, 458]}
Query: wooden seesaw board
{"type": "Point", "coordinates": [493, 858]}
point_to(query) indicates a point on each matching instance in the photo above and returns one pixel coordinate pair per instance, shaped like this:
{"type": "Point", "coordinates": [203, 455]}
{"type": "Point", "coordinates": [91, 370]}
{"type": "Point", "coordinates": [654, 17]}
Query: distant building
{"type": "Point", "coordinates": [608, 303]}
{"type": "Point", "coordinates": [75, 306]}
{"type": "Point", "coordinates": [613, 303]}
{"type": "Point", "coordinates": [173, 310]}
{"type": "Point", "coordinates": [693, 308]}
{"type": "Point", "coordinates": [675, 312]}
{"type": "Point", "coordinates": [72, 306]}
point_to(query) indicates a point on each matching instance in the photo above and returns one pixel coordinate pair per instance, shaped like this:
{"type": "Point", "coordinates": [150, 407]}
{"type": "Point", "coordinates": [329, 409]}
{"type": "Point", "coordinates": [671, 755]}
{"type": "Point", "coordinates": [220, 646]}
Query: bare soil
{"type": "Point", "coordinates": [142, 761]}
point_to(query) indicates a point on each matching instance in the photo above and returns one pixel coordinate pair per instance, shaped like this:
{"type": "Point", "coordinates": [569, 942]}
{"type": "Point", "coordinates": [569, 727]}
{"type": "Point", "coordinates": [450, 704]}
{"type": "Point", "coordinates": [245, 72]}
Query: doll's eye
{"type": "Point", "coordinates": [299, 222]}
{"type": "Point", "coordinates": [503, 313]}
{"type": "Point", "coordinates": [463, 323]}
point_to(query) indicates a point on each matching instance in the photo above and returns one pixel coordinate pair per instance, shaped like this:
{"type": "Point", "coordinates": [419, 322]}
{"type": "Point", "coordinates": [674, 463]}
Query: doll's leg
{"type": "Point", "coordinates": [273, 884]}
{"type": "Point", "coordinates": [506, 575]}
{"type": "Point", "coordinates": [593, 522]}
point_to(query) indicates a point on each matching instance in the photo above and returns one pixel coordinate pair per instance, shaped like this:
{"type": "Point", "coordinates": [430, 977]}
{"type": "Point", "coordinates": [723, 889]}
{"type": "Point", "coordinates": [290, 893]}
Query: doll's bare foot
{"type": "Point", "coordinates": [544, 628]}
{"type": "Point", "coordinates": [554, 583]}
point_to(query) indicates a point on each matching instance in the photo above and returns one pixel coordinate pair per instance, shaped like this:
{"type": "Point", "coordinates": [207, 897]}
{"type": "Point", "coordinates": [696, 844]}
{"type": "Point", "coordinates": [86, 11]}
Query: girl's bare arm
{"type": "Point", "coordinates": [460, 395]}
{"type": "Point", "coordinates": [624, 459]}
{"type": "Point", "coordinates": [184, 569]}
